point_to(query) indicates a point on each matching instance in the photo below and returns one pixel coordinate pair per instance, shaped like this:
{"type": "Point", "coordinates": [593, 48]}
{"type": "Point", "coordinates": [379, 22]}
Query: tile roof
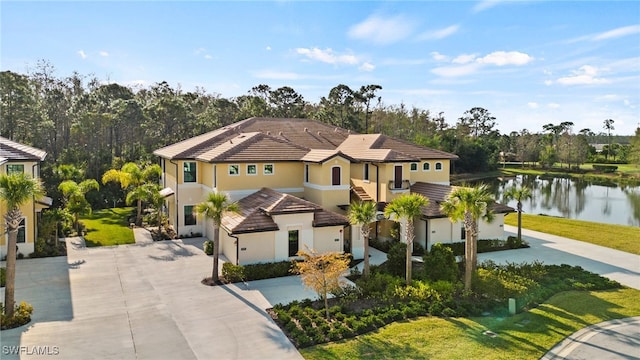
{"type": "Point", "coordinates": [11, 150]}
{"type": "Point", "coordinates": [256, 212]}
{"type": "Point", "coordinates": [286, 138]}
{"type": "Point", "coordinates": [437, 193]}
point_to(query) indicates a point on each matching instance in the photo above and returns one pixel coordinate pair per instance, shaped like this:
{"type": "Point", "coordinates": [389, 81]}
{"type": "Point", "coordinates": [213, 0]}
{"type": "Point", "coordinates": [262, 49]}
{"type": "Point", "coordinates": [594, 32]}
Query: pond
{"type": "Point", "coordinates": [575, 199]}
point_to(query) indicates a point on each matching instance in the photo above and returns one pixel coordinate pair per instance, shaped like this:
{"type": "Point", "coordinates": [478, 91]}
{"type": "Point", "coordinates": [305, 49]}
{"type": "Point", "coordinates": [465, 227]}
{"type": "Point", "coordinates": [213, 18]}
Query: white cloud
{"type": "Point", "coordinates": [586, 75]}
{"type": "Point", "coordinates": [381, 30]}
{"type": "Point", "coordinates": [104, 53]}
{"type": "Point", "coordinates": [82, 54]}
{"type": "Point", "coordinates": [533, 105]}
{"type": "Point", "coordinates": [439, 57]}
{"type": "Point", "coordinates": [501, 58]}
{"type": "Point", "coordinates": [440, 33]}
{"type": "Point", "coordinates": [327, 56]}
{"type": "Point", "coordinates": [464, 59]}
{"type": "Point", "coordinates": [208, 57]}
{"type": "Point", "coordinates": [619, 32]}
{"type": "Point", "coordinates": [548, 82]}
{"type": "Point", "coordinates": [199, 51]}
{"type": "Point", "coordinates": [268, 48]}
{"type": "Point", "coordinates": [553, 105]}
{"type": "Point", "coordinates": [485, 4]}
{"type": "Point", "coordinates": [367, 67]}
{"type": "Point", "coordinates": [455, 71]}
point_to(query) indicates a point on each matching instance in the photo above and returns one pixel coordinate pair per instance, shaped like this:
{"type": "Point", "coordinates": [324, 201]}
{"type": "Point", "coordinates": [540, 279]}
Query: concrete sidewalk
{"type": "Point", "coordinates": [139, 301]}
{"type": "Point", "coordinates": [617, 265]}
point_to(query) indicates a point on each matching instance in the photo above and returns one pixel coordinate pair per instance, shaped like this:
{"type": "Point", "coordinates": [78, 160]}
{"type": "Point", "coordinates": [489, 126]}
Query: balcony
{"type": "Point", "coordinates": [399, 185]}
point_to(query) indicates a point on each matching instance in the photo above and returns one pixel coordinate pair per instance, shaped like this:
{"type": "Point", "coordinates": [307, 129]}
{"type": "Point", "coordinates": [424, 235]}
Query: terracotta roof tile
{"type": "Point", "coordinates": [437, 193]}
{"type": "Point", "coordinates": [256, 211]}
{"type": "Point", "coordinates": [11, 150]}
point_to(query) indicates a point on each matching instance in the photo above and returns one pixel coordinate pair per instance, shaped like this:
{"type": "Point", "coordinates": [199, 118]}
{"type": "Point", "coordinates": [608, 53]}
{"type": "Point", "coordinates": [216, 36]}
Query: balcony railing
{"type": "Point", "coordinates": [399, 185]}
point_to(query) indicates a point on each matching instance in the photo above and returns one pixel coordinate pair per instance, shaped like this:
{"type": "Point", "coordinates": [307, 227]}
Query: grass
{"type": "Point", "coordinates": [108, 227]}
{"type": "Point", "coordinates": [619, 237]}
{"type": "Point", "coordinates": [527, 335]}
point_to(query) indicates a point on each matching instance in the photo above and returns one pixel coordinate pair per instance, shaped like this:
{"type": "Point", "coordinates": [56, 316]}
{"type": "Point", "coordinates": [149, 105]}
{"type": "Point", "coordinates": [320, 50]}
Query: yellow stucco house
{"type": "Point", "coordinates": [16, 157]}
{"type": "Point", "coordinates": [294, 180]}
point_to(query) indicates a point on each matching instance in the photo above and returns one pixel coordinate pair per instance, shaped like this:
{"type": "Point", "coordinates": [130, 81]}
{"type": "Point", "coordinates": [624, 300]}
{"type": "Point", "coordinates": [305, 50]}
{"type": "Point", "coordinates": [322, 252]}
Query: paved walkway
{"type": "Point", "coordinates": [140, 301]}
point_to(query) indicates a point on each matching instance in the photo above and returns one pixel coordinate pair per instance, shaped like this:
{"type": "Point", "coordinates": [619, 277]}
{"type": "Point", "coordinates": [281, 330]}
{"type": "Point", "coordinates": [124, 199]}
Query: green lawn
{"type": "Point", "coordinates": [524, 336]}
{"type": "Point", "coordinates": [619, 237]}
{"type": "Point", "coordinates": [108, 227]}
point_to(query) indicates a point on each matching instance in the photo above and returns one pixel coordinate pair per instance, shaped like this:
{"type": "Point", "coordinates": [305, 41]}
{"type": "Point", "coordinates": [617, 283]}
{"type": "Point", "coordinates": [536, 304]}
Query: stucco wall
{"type": "Point", "coordinates": [328, 238]}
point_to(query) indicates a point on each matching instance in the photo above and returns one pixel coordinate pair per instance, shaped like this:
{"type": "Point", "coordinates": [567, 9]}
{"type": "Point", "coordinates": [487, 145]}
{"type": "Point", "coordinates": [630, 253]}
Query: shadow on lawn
{"type": "Point", "coordinates": [556, 319]}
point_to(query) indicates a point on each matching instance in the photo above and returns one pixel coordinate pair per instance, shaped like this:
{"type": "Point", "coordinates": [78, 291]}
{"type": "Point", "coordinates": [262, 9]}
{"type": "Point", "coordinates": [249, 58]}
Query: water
{"type": "Point", "coordinates": [575, 199]}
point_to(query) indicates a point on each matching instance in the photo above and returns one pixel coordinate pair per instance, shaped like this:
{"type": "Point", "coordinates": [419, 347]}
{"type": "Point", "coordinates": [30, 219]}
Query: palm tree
{"type": "Point", "coordinates": [608, 125]}
{"type": "Point", "coordinates": [407, 207]}
{"type": "Point", "coordinates": [519, 194]}
{"type": "Point", "coordinates": [15, 191]}
{"type": "Point", "coordinates": [469, 204]}
{"type": "Point", "coordinates": [131, 176]}
{"type": "Point", "coordinates": [55, 217]}
{"type": "Point", "coordinates": [74, 198]}
{"type": "Point", "coordinates": [213, 208]}
{"type": "Point", "coordinates": [363, 213]}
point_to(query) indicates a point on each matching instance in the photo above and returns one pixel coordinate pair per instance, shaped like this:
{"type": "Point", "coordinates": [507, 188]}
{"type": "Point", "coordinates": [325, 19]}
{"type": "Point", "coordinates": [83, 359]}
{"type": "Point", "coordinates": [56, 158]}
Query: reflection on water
{"type": "Point", "coordinates": [575, 199]}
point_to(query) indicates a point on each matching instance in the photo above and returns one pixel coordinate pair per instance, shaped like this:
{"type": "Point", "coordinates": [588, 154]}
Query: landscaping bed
{"type": "Point", "coordinates": [383, 298]}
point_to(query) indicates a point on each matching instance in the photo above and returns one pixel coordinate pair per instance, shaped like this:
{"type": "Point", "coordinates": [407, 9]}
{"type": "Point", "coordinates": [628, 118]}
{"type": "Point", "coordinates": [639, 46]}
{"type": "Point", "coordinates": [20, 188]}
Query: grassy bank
{"type": "Point", "coordinates": [524, 336]}
{"type": "Point", "coordinates": [626, 174]}
{"type": "Point", "coordinates": [108, 227]}
{"type": "Point", "coordinates": [619, 237]}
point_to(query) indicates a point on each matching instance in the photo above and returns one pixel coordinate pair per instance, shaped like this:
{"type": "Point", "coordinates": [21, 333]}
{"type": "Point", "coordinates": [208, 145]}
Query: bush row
{"type": "Point", "coordinates": [488, 245]}
{"type": "Point", "coordinates": [21, 316]}
{"type": "Point", "coordinates": [237, 273]}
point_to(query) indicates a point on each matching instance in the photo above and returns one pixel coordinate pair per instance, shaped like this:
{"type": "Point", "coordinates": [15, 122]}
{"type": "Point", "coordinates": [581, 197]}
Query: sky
{"type": "Point", "coordinates": [529, 63]}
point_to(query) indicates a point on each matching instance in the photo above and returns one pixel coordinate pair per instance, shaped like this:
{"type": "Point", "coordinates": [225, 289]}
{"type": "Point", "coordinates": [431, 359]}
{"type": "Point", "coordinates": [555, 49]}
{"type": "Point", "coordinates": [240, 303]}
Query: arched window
{"type": "Point", "coordinates": [336, 175]}
{"type": "Point", "coordinates": [426, 166]}
{"type": "Point", "coordinates": [438, 166]}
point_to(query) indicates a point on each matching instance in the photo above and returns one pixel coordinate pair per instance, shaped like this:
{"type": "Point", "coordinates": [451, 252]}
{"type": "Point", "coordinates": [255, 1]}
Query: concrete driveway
{"type": "Point", "coordinates": [141, 301]}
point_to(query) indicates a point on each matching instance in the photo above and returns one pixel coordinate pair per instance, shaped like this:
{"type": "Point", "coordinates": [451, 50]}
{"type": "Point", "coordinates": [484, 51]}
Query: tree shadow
{"type": "Point", "coordinates": [172, 251]}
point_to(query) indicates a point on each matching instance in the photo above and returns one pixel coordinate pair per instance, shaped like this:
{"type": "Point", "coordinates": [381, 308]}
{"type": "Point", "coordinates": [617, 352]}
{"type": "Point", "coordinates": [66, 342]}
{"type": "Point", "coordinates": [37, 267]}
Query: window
{"type": "Point", "coordinates": [215, 176]}
{"type": "Point", "coordinates": [426, 167]}
{"type": "Point", "coordinates": [234, 170]}
{"type": "Point", "coordinates": [366, 172]}
{"type": "Point", "coordinates": [294, 242]}
{"type": "Point", "coordinates": [189, 171]}
{"type": "Point", "coordinates": [252, 169]}
{"type": "Point", "coordinates": [268, 169]}
{"type": "Point", "coordinates": [463, 233]}
{"type": "Point", "coordinates": [15, 169]}
{"type": "Point", "coordinates": [306, 173]}
{"type": "Point", "coordinates": [22, 232]}
{"type": "Point", "coordinates": [189, 216]}
{"type": "Point", "coordinates": [438, 166]}
{"type": "Point", "coordinates": [335, 176]}
{"type": "Point", "coordinates": [414, 167]}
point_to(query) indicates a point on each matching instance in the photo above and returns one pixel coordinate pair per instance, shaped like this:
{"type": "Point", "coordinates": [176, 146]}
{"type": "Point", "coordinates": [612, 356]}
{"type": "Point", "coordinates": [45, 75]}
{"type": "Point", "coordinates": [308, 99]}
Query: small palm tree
{"type": "Point", "coordinates": [131, 177]}
{"type": "Point", "coordinates": [15, 191]}
{"type": "Point", "coordinates": [519, 194]}
{"type": "Point", "coordinates": [213, 208]}
{"type": "Point", "coordinates": [469, 204]}
{"type": "Point", "coordinates": [75, 200]}
{"type": "Point", "coordinates": [363, 214]}
{"type": "Point", "coordinates": [407, 206]}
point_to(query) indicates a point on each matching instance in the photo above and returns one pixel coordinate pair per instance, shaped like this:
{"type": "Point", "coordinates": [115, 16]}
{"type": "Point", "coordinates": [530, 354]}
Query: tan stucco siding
{"type": "Point", "coordinates": [328, 238]}
{"type": "Point", "coordinates": [257, 248]}
{"type": "Point", "coordinates": [432, 175]}
{"type": "Point", "coordinates": [493, 230]}
{"type": "Point", "coordinates": [300, 222]}
{"type": "Point", "coordinates": [227, 246]}
{"type": "Point", "coordinates": [420, 232]}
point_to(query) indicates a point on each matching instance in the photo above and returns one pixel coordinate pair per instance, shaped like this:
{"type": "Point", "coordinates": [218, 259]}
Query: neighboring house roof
{"type": "Point", "coordinates": [257, 209]}
{"type": "Point", "coordinates": [11, 150]}
{"type": "Point", "coordinates": [437, 193]}
{"type": "Point", "coordinates": [278, 139]}
{"type": "Point", "coordinates": [3, 160]}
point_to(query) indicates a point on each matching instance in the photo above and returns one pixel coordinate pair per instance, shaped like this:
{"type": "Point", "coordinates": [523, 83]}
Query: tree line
{"type": "Point", "coordinates": [95, 126]}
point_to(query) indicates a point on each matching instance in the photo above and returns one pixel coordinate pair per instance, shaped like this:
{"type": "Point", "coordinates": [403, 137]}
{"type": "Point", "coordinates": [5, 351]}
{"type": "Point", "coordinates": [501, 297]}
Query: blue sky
{"type": "Point", "coordinates": [529, 63]}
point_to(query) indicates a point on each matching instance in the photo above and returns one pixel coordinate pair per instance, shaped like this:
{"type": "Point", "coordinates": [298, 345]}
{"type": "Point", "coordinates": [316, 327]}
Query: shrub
{"type": "Point", "coordinates": [3, 277]}
{"type": "Point", "coordinates": [397, 259]}
{"type": "Point", "coordinates": [605, 168]}
{"type": "Point", "coordinates": [232, 273]}
{"type": "Point", "coordinates": [514, 243]}
{"type": "Point", "coordinates": [381, 244]}
{"type": "Point", "coordinates": [378, 284]}
{"type": "Point", "coordinates": [440, 264]}
{"type": "Point", "coordinates": [21, 316]}
{"type": "Point", "coordinates": [498, 284]}
{"type": "Point", "coordinates": [268, 270]}
{"type": "Point", "coordinates": [418, 249]}
{"type": "Point", "coordinates": [208, 247]}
